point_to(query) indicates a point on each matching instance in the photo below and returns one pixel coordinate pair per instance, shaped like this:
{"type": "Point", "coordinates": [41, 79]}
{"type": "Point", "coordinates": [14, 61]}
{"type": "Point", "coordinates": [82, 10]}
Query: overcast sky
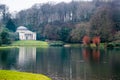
{"type": "Point", "coordinates": [17, 5]}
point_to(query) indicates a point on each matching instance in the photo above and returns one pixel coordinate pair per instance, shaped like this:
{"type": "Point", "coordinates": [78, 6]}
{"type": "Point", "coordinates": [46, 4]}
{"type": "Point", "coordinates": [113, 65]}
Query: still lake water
{"type": "Point", "coordinates": [61, 63]}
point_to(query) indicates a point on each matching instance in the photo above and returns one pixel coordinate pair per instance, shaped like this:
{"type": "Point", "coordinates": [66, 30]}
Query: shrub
{"type": "Point", "coordinates": [86, 40]}
{"type": "Point", "coordinates": [96, 40]}
{"type": "Point", "coordinates": [56, 43]}
{"type": "Point", "coordinates": [117, 45]}
{"type": "Point", "coordinates": [0, 42]}
{"type": "Point", "coordinates": [110, 46]}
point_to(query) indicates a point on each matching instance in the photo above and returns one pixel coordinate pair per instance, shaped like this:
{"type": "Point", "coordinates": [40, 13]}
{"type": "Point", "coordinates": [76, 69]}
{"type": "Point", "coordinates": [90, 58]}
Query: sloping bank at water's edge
{"type": "Point", "coordinates": [29, 43]}
{"type": "Point", "coordinates": [17, 44]}
{"type": "Point", "coordinates": [42, 44]}
{"type": "Point", "coordinates": [14, 75]}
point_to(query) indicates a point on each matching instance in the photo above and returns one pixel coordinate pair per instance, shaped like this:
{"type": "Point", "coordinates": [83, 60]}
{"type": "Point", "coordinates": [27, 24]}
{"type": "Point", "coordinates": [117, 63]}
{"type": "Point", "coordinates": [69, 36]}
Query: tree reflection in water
{"type": "Point", "coordinates": [61, 63]}
{"type": "Point", "coordinates": [91, 54]}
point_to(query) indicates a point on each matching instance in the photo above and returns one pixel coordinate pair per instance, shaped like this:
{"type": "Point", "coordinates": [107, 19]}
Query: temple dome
{"type": "Point", "coordinates": [22, 28]}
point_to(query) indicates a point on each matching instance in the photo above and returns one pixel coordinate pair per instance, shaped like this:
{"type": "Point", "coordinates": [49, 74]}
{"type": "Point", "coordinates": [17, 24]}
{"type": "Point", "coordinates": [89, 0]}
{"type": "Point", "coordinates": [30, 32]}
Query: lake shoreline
{"type": "Point", "coordinates": [53, 61]}
{"type": "Point", "coordinates": [45, 44]}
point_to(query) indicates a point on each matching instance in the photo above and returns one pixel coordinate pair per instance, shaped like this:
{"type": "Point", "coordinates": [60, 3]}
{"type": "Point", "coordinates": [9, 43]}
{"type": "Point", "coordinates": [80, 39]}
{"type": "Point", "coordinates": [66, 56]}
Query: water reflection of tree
{"type": "Point", "coordinates": [4, 58]}
{"type": "Point", "coordinates": [91, 55]}
{"type": "Point", "coordinates": [114, 59]}
{"type": "Point", "coordinates": [97, 68]}
{"type": "Point", "coordinates": [8, 58]}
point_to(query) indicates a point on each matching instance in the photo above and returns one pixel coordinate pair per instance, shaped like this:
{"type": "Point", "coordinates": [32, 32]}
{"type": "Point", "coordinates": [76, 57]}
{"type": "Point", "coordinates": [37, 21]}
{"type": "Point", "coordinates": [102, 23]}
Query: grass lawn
{"type": "Point", "coordinates": [7, 47]}
{"type": "Point", "coordinates": [102, 45]}
{"type": "Point", "coordinates": [29, 43]}
{"type": "Point", "coordinates": [14, 75]}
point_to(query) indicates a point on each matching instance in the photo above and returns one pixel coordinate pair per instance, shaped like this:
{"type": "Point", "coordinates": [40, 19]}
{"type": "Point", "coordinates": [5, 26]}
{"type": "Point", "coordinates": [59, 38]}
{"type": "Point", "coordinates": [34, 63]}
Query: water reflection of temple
{"type": "Point", "coordinates": [26, 54]}
{"type": "Point", "coordinates": [64, 63]}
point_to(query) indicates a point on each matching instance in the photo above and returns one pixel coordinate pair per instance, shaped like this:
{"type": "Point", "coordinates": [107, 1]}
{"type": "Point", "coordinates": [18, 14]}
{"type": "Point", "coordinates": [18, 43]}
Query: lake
{"type": "Point", "coordinates": [62, 63]}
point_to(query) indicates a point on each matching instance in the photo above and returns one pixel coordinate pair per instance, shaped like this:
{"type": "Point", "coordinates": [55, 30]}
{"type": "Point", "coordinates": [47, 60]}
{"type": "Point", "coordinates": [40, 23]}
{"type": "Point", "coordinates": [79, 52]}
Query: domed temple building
{"type": "Point", "coordinates": [25, 34]}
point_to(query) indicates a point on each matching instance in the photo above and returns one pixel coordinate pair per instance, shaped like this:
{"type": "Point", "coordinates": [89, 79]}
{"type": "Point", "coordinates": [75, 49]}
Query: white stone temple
{"type": "Point", "coordinates": [25, 34]}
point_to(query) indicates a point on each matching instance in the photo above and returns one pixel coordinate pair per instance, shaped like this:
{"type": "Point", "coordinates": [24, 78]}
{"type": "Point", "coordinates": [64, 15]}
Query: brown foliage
{"type": "Point", "coordinates": [86, 40]}
{"type": "Point", "coordinates": [96, 40]}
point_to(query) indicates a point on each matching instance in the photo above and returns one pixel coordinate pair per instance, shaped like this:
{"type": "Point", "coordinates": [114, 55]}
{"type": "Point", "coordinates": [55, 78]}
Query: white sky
{"type": "Point", "coordinates": [17, 5]}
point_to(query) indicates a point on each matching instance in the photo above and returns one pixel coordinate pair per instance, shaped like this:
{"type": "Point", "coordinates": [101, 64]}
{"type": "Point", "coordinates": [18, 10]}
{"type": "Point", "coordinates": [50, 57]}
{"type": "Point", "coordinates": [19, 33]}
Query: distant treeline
{"type": "Point", "coordinates": [68, 22]}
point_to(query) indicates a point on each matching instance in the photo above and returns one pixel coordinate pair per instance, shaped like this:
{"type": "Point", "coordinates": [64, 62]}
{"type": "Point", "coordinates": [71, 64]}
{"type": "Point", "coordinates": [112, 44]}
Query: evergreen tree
{"type": "Point", "coordinates": [5, 37]}
{"type": "Point", "coordinates": [0, 41]}
{"type": "Point", "coordinates": [10, 25]}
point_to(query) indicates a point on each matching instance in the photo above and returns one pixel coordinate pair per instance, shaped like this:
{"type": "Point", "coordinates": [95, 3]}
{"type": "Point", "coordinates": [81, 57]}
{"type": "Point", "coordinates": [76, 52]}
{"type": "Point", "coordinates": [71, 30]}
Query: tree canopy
{"type": "Point", "coordinates": [68, 22]}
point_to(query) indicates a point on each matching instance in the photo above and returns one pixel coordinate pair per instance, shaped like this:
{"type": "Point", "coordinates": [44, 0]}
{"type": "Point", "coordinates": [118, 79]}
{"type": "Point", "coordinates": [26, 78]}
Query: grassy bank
{"type": "Point", "coordinates": [14, 75]}
{"type": "Point", "coordinates": [43, 44]}
{"type": "Point", "coordinates": [113, 45]}
{"type": "Point", "coordinates": [102, 45]}
{"type": "Point", "coordinates": [30, 43]}
{"type": "Point", "coordinates": [7, 47]}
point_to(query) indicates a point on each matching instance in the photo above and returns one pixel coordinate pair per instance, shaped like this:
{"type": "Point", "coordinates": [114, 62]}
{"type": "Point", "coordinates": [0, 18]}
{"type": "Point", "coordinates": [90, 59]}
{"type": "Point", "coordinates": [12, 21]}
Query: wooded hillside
{"type": "Point", "coordinates": [68, 22]}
